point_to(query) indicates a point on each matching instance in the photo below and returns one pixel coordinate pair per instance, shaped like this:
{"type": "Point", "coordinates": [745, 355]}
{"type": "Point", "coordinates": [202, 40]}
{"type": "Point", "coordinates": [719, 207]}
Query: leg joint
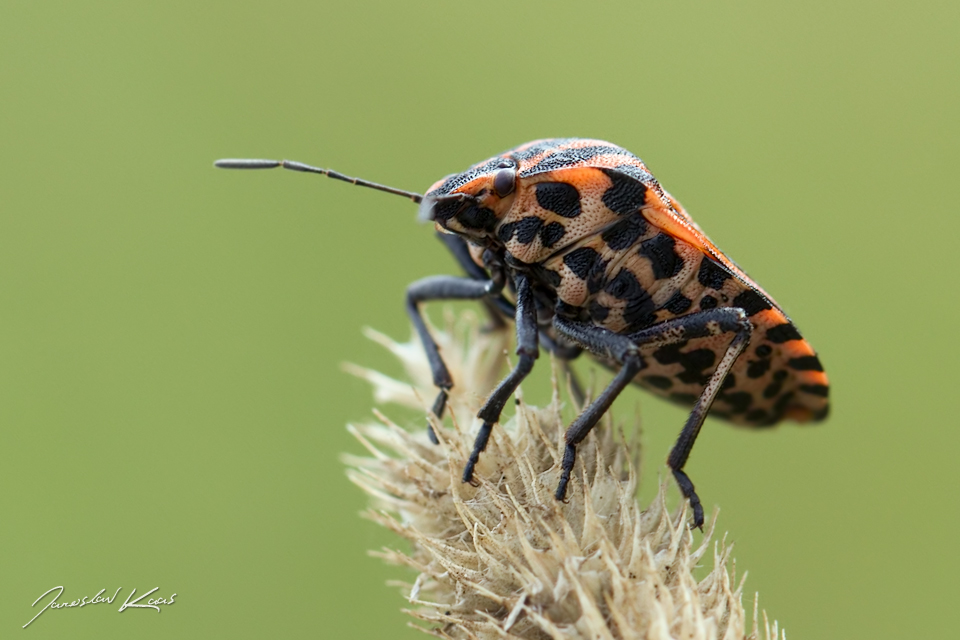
{"type": "Point", "coordinates": [732, 319]}
{"type": "Point", "coordinates": [525, 363]}
{"type": "Point", "coordinates": [527, 354]}
{"type": "Point", "coordinates": [630, 357]}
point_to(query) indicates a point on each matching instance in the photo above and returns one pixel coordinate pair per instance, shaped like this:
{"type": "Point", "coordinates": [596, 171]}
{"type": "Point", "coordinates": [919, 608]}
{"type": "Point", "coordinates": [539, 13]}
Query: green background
{"type": "Point", "coordinates": [171, 397]}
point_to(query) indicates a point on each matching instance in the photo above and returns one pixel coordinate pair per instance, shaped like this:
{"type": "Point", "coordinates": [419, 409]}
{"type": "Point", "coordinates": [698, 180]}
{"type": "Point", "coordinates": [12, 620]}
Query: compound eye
{"type": "Point", "coordinates": [505, 181]}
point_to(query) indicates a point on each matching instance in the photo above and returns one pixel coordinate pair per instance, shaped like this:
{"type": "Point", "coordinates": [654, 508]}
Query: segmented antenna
{"type": "Point", "coordinates": [241, 163]}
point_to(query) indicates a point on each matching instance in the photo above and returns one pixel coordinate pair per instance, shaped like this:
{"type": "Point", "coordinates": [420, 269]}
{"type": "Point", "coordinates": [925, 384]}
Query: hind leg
{"type": "Point", "coordinates": [625, 351]}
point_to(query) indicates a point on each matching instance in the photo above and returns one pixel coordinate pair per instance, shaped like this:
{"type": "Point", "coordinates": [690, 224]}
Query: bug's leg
{"type": "Point", "coordinates": [688, 435]}
{"type": "Point", "coordinates": [566, 353]}
{"type": "Point", "coordinates": [675, 331]}
{"type": "Point", "coordinates": [497, 307]}
{"type": "Point", "coordinates": [527, 351]}
{"type": "Point", "coordinates": [576, 387]}
{"type": "Point", "coordinates": [618, 347]}
{"type": "Point", "coordinates": [441, 288]}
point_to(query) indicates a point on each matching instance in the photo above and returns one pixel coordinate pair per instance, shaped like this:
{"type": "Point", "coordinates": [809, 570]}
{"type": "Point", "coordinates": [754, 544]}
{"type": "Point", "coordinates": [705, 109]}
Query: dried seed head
{"type": "Point", "coordinates": [504, 559]}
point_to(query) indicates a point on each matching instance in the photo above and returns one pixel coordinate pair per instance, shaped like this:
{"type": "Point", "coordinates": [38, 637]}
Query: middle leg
{"type": "Point", "coordinates": [604, 342]}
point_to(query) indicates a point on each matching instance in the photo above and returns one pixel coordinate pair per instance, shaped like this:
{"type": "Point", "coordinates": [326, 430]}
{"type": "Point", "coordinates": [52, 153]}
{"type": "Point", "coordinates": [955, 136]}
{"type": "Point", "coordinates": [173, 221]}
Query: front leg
{"type": "Point", "coordinates": [442, 288]}
{"type": "Point", "coordinates": [528, 349]}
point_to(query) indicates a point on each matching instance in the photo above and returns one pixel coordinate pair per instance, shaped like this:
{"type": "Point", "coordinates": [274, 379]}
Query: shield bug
{"type": "Point", "coordinates": [576, 241]}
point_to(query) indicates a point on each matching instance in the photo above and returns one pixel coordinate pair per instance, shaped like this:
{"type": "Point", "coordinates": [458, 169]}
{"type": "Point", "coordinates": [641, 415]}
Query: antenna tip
{"type": "Point", "coordinates": [242, 163]}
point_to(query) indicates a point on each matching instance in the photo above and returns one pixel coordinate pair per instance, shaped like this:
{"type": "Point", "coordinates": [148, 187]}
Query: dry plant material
{"type": "Point", "coordinates": [504, 559]}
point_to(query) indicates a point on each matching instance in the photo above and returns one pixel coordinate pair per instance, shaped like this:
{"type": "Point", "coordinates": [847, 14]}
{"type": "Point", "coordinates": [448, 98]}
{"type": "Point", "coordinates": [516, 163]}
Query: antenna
{"type": "Point", "coordinates": [240, 163]}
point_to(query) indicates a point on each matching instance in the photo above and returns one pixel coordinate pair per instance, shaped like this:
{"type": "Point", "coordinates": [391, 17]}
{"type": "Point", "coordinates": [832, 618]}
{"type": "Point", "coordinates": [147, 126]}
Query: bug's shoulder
{"type": "Point", "coordinates": [559, 154]}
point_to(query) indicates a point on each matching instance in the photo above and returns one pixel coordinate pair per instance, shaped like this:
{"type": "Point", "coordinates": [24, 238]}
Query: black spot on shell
{"type": "Point", "coordinates": [751, 302]}
{"type": "Point", "coordinates": [664, 260]}
{"type": "Point", "coordinates": [669, 354]}
{"type": "Point", "coordinates": [580, 261]}
{"type": "Point", "coordinates": [476, 217]}
{"type": "Point", "coordinates": [548, 276]}
{"type": "Point", "coordinates": [780, 375]}
{"type": "Point", "coordinates": [598, 312]}
{"type": "Point", "coordinates": [693, 362]}
{"type": "Point", "coordinates": [551, 234]}
{"type": "Point", "coordinates": [693, 377]}
{"type": "Point", "coordinates": [821, 414]}
{"type": "Point", "coordinates": [622, 285]}
{"type": "Point", "coordinates": [506, 231]}
{"type": "Point", "coordinates": [739, 401]}
{"type": "Point", "coordinates": [625, 196]}
{"type": "Point", "coordinates": [773, 389]}
{"type": "Point", "coordinates": [763, 350]}
{"type": "Point", "coordinates": [678, 303]}
{"type": "Point", "coordinates": [783, 333]}
{"type": "Point", "coordinates": [757, 368]}
{"type": "Point", "coordinates": [821, 390]}
{"type": "Point", "coordinates": [658, 382]}
{"type": "Point", "coordinates": [596, 280]}
{"type": "Point", "coordinates": [708, 302]}
{"type": "Point", "coordinates": [559, 197]}
{"type": "Point", "coordinates": [757, 415]}
{"type": "Point", "coordinates": [805, 363]}
{"type": "Point", "coordinates": [528, 228]}
{"type": "Point", "coordinates": [625, 233]}
{"type": "Point", "coordinates": [729, 382]}
{"type": "Point", "coordinates": [639, 310]}
{"type": "Point", "coordinates": [711, 274]}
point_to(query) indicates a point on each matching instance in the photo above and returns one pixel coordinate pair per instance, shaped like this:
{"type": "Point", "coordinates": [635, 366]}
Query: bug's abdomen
{"type": "Point", "coordinates": [629, 276]}
{"type": "Point", "coordinates": [634, 275]}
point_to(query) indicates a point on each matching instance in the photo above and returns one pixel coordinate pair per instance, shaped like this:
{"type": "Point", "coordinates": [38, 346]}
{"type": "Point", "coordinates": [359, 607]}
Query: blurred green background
{"type": "Point", "coordinates": [171, 397]}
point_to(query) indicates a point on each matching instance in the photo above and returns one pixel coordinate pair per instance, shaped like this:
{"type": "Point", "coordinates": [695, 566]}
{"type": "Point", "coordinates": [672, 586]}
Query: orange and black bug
{"type": "Point", "coordinates": [578, 242]}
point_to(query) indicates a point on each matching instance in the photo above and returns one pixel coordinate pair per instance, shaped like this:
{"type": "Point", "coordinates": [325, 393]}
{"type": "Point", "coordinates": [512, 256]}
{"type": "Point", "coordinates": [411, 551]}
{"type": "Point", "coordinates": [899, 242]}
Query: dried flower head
{"type": "Point", "coordinates": [504, 559]}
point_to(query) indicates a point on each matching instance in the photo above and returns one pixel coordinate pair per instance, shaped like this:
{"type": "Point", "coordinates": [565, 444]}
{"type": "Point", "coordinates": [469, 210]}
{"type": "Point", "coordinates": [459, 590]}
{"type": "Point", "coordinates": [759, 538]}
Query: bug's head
{"type": "Point", "coordinates": [471, 203]}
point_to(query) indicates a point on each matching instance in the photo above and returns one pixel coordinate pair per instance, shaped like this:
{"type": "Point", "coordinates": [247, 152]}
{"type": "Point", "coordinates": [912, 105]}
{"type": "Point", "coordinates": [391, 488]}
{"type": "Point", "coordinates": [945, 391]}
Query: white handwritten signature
{"type": "Point", "coordinates": [152, 603]}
